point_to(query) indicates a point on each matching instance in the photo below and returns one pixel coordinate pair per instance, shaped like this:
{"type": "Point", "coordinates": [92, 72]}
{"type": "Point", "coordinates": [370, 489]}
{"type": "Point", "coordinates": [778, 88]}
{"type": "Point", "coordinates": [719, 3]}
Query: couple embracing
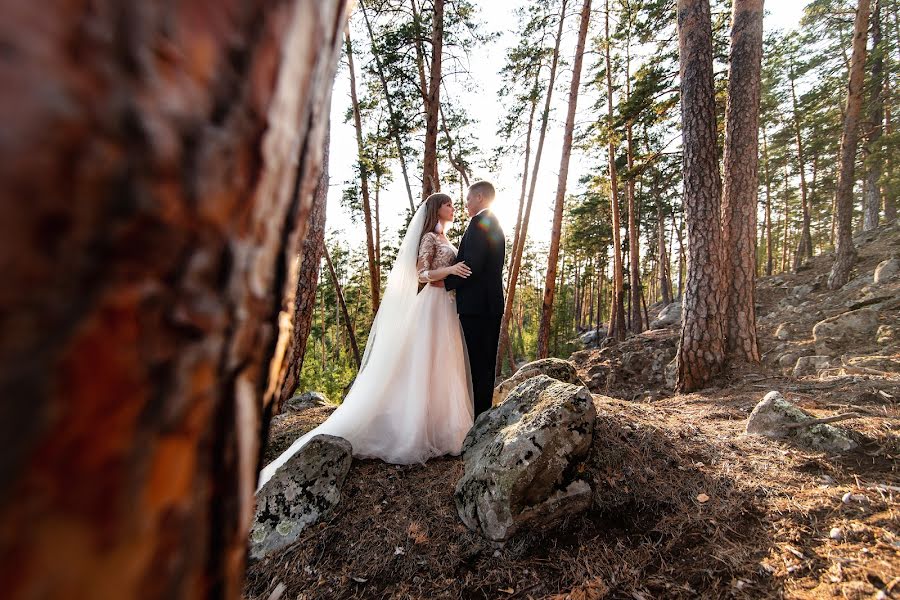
{"type": "Point", "coordinates": [428, 368]}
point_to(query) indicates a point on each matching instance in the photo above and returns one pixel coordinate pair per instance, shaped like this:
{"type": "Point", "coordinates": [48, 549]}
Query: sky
{"type": "Point", "coordinates": [484, 105]}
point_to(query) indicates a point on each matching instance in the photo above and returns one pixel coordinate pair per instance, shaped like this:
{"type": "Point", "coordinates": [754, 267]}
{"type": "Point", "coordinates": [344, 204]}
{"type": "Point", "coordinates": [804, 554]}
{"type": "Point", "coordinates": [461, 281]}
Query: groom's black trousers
{"type": "Point", "coordinates": [482, 335]}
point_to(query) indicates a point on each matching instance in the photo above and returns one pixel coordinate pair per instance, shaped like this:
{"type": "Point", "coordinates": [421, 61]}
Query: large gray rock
{"type": "Point", "coordinates": [835, 334]}
{"type": "Point", "coordinates": [521, 459]}
{"type": "Point", "coordinates": [304, 490]}
{"type": "Point", "coordinates": [668, 316]}
{"type": "Point", "coordinates": [774, 416]}
{"type": "Point", "coordinates": [887, 270]}
{"type": "Point", "coordinates": [304, 401]}
{"type": "Point", "coordinates": [557, 368]}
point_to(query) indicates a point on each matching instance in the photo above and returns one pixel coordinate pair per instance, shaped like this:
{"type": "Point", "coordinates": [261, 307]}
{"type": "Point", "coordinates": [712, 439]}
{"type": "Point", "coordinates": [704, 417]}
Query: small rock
{"type": "Point", "coordinates": [810, 365]}
{"type": "Point", "coordinates": [788, 360]}
{"type": "Point", "coordinates": [886, 334]}
{"type": "Point", "coordinates": [305, 401]}
{"type": "Point", "coordinates": [887, 270]}
{"type": "Point", "coordinates": [668, 316]}
{"type": "Point", "coordinates": [774, 416]}
{"type": "Point", "coordinates": [836, 533]}
{"type": "Point", "coordinates": [801, 291]}
{"type": "Point", "coordinates": [304, 490]}
{"type": "Point", "coordinates": [783, 332]}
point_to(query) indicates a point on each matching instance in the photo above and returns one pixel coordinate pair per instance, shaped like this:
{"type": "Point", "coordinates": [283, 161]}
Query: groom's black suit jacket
{"type": "Point", "coordinates": [483, 249]}
{"type": "Point", "coordinates": [479, 301]}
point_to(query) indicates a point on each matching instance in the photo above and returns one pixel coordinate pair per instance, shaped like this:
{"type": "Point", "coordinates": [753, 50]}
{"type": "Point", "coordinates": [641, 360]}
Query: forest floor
{"type": "Point", "coordinates": [685, 505]}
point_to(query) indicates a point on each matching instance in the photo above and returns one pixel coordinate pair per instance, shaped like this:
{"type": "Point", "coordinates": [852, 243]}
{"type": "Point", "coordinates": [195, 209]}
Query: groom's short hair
{"type": "Point", "coordinates": [485, 188]}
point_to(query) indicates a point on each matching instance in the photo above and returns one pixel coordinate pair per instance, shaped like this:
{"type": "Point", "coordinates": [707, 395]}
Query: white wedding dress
{"type": "Point", "coordinates": [412, 398]}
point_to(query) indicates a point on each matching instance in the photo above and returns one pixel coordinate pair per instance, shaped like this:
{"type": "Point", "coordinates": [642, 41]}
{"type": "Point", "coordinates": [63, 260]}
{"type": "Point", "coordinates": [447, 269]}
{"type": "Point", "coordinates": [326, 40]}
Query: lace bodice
{"type": "Point", "coordinates": [434, 253]}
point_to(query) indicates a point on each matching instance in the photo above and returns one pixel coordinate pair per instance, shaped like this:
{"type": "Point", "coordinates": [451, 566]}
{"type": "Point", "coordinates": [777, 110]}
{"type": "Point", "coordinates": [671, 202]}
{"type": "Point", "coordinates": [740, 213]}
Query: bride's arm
{"type": "Point", "coordinates": [426, 256]}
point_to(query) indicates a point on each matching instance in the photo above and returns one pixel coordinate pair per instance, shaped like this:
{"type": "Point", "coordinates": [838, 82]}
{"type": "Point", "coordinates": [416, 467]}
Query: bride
{"type": "Point", "coordinates": [412, 397]}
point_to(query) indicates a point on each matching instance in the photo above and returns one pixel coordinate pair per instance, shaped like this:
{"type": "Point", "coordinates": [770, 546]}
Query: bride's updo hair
{"type": "Point", "coordinates": [433, 204]}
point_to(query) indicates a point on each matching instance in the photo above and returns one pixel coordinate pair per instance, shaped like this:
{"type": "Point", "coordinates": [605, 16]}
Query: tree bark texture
{"type": "Point", "coordinates": [150, 211]}
{"type": "Point", "coordinates": [701, 350]}
{"type": "Point", "coordinates": [295, 321]}
{"type": "Point", "coordinates": [741, 178]}
{"type": "Point", "coordinates": [543, 345]}
{"type": "Point", "coordinates": [872, 200]}
{"type": "Point", "coordinates": [845, 253]}
{"type": "Point", "coordinates": [430, 181]}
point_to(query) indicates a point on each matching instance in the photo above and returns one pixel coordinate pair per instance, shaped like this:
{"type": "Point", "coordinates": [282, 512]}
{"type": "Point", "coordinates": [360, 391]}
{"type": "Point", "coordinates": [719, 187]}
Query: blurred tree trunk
{"type": "Point", "coordinates": [634, 271]}
{"type": "Point", "coordinates": [374, 280]}
{"type": "Point", "coordinates": [295, 330]}
{"type": "Point", "coordinates": [872, 199]}
{"type": "Point", "coordinates": [845, 253]}
{"type": "Point", "coordinates": [150, 215]}
{"type": "Point", "coordinates": [787, 220]}
{"type": "Point", "coordinates": [701, 350]}
{"type": "Point", "coordinates": [665, 281]}
{"type": "Point", "coordinates": [739, 198]}
{"type": "Point", "coordinates": [543, 344]}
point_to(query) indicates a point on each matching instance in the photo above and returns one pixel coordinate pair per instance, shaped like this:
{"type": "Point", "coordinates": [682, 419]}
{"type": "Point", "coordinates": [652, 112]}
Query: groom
{"type": "Point", "coordinates": [479, 298]}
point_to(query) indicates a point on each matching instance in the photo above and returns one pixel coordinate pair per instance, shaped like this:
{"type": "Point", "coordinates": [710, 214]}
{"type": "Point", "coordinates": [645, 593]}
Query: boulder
{"type": "Point", "coordinates": [557, 368]}
{"type": "Point", "coordinates": [668, 316]}
{"type": "Point", "coordinates": [774, 416]}
{"type": "Point", "coordinates": [521, 459]}
{"type": "Point", "coordinates": [303, 491]}
{"type": "Point", "coordinates": [591, 337]}
{"type": "Point", "coordinates": [801, 291]}
{"type": "Point", "coordinates": [833, 335]}
{"type": "Point", "coordinates": [810, 365]}
{"type": "Point", "coordinates": [886, 334]}
{"type": "Point", "coordinates": [880, 364]}
{"type": "Point", "coordinates": [305, 401]}
{"type": "Point", "coordinates": [788, 360]}
{"type": "Point", "coordinates": [887, 270]}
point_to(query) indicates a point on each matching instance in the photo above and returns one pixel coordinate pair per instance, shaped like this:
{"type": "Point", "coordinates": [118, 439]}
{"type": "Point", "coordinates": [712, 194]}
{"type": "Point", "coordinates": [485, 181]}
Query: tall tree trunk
{"type": "Point", "coordinates": [617, 310]}
{"type": "Point", "coordinates": [742, 179]}
{"type": "Point", "coordinates": [374, 281]}
{"type": "Point", "coordinates": [665, 281]}
{"type": "Point", "coordinates": [393, 117]}
{"type": "Point", "coordinates": [347, 323]}
{"type": "Point", "coordinates": [146, 249]}
{"type": "Point", "coordinates": [768, 178]}
{"type": "Point", "coordinates": [845, 253]}
{"type": "Point", "coordinates": [456, 161]}
{"type": "Point", "coordinates": [430, 181]}
{"type": "Point", "coordinates": [804, 243]}
{"type": "Point", "coordinates": [553, 255]}
{"type": "Point", "coordinates": [294, 333]}
{"type": "Point", "coordinates": [634, 272]}
{"type": "Point", "coordinates": [787, 221]}
{"type": "Point", "coordinates": [516, 263]}
{"type": "Point", "coordinates": [701, 351]}
{"type": "Point", "coordinates": [872, 200]}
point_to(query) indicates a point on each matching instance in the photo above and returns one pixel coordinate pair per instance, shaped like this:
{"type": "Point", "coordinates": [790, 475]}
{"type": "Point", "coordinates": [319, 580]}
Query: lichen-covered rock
{"type": "Point", "coordinates": [887, 270]}
{"type": "Point", "coordinates": [668, 316]}
{"type": "Point", "coordinates": [557, 368]}
{"type": "Point", "coordinates": [774, 415]}
{"type": "Point", "coordinates": [811, 365]}
{"type": "Point", "coordinates": [833, 335]}
{"type": "Point", "coordinates": [305, 400]}
{"type": "Point", "coordinates": [305, 489]}
{"type": "Point", "coordinates": [521, 459]}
